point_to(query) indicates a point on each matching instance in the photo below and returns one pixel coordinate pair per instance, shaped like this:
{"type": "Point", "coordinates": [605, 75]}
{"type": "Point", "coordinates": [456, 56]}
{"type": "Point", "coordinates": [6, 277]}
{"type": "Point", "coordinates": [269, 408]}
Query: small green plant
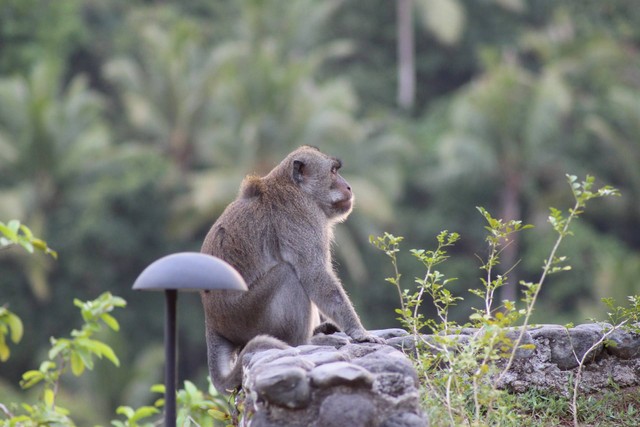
{"type": "Point", "coordinates": [462, 366]}
{"type": "Point", "coordinates": [14, 233]}
{"type": "Point", "coordinates": [134, 416]}
{"type": "Point", "coordinates": [619, 318]}
{"type": "Point", "coordinates": [76, 353]}
{"type": "Point", "coordinates": [432, 284]}
{"type": "Point", "coordinates": [10, 326]}
{"type": "Point", "coordinates": [195, 408]}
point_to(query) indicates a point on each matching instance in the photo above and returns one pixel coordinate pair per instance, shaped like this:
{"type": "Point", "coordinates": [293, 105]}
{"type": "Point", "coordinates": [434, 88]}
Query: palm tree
{"type": "Point", "coordinates": [243, 104]}
{"type": "Point", "coordinates": [506, 125]}
{"type": "Point", "coordinates": [49, 134]}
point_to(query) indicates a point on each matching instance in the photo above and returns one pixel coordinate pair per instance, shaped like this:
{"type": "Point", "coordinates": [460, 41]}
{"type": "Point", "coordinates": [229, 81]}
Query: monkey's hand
{"type": "Point", "coordinates": [364, 336]}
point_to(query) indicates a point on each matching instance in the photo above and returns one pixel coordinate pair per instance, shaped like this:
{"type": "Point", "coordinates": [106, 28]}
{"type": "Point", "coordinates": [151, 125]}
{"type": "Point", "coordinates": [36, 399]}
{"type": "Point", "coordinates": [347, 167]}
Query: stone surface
{"type": "Point", "coordinates": [346, 409]}
{"type": "Point", "coordinates": [332, 382]}
{"type": "Point", "coordinates": [624, 345]}
{"type": "Point", "coordinates": [340, 373]}
{"type": "Point", "coordinates": [335, 382]}
{"type": "Point", "coordinates": [405, 419]}
{"type": "Point", "coordinates": [283, 386]}
{"type": "Point", "coordinates": [567, 346]}
{"type": "Point", "coordinates": [554, 363]}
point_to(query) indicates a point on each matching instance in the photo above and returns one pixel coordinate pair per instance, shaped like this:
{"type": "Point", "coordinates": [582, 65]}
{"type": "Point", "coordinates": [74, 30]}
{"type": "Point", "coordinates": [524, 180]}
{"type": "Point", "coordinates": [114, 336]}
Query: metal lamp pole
{"type": "Point", "coordinates": [184, 271]}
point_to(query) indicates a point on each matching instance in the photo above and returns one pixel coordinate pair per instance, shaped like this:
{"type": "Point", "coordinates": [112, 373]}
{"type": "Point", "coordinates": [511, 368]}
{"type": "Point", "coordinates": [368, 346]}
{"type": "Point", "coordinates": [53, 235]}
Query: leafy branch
{"type": "Point", "coordinates": [11, 234]}
{"type": "Point", "coordinates": [14, 233]}
{"type": "Point", "coordinates": [463, 367]}
{"type": "Point", "coordinates": [78, 353]}
{"type": "Point", "coordinates": [582, 193]}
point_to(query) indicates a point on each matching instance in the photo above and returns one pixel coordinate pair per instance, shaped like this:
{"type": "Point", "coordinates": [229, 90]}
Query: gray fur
{"type": "Point", "coordinates": [277, 234]}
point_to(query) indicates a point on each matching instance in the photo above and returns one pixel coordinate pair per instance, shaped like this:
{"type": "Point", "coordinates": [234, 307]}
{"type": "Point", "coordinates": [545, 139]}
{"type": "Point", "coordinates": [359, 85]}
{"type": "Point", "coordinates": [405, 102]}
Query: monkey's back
{"type": "Point", "coordinates": [246, 237]}
{"type": "Point", "coordinates": [243, 237]}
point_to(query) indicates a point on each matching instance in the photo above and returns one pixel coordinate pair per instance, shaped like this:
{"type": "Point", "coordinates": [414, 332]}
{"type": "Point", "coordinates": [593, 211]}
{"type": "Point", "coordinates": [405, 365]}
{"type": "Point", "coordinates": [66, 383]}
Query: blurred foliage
{"type": "Point", "coordinates": [126, 127]}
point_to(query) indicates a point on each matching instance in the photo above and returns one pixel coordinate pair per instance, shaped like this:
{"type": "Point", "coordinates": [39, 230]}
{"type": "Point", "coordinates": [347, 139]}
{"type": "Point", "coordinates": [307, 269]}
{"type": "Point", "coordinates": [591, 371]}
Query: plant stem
{"type": "Point", "coordinates": [397, 281]}
{"type": "Point", "coordinates": [574, 399]}
{"type": "Point", "coordinates": [532, 302]}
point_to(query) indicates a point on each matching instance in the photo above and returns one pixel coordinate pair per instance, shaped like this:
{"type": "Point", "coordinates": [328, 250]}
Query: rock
{"type": "Point", "coordinates": [405, 419]}
{"type": "Point", "coordinates": [340, 373]}
{"type": "Point", "coordinates": [311, 349]}
{"type": "Point", "coordinates": [624, 344]}
{"type": "Point", "coordinates": [322, 358]}
{"type": "Point", "coordinates": [388, 359]}
{"type": "Point", "coordinates": [393, 384]}
{"type": "Point", "coordinates": [283, 386]}
{"type": "Point", "coordinates": [567, 346]}
{"type": "Point", "coordinates": [342, 409]}
{"type": "Point", "coordinates": [522, 353]}
{"type": "Point", "coordinates": [267, 356]}
{"type": "Point", "coordinates": [333, 340]}
{"type": "Point", "coordinates": [335, 382]}
{"type": "Point", "coordinates": [355, 351]}
{"type": "Point", "coordinates": [286, 361]}
{"type": "Point", "coordinates": [389, 333]}
{"type": "Point", "coordinates": [331, 382]}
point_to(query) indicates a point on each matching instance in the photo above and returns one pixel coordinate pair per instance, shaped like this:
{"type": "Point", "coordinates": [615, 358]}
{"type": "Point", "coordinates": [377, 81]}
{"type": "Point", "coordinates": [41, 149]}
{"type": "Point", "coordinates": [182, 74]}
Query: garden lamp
{"type": "Point", "coordinates": [185, 271]}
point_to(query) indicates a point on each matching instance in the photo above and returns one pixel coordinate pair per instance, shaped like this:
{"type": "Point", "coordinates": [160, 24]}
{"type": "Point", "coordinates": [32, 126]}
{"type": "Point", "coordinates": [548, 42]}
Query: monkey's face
{"type": "Point", "coordinates": [317, 175]}
{"type": "Point", "coordinates": [341, 195]}
{"type": "Point", "coordinates": [338, 200]}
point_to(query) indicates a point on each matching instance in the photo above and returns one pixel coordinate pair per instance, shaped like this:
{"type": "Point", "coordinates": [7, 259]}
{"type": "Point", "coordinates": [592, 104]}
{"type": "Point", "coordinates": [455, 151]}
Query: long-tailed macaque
{"type": "Point", "coordinates": [277, 234]}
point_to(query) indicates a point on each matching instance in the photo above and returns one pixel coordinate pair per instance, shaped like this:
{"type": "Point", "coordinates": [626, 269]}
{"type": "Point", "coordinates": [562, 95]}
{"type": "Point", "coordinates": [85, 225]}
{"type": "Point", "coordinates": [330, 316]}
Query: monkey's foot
{"type": "Point", "coordinates": [364, 336]}
{"type": "Point", "coordinates": [326, 328]}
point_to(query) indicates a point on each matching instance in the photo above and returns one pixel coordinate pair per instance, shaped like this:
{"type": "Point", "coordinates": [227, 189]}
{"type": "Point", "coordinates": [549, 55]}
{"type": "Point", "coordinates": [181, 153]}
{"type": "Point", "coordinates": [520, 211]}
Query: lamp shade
{"type": "Point", "coordinates": [189, 271]}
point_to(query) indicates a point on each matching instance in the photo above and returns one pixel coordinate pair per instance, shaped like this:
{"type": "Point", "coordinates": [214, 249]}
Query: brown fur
{"type": "Point", "coordinates": [277, 234]}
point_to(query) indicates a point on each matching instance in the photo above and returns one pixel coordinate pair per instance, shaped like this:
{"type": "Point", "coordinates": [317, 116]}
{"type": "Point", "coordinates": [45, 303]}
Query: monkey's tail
{"type": "Point", "coordinates": [233, 380]}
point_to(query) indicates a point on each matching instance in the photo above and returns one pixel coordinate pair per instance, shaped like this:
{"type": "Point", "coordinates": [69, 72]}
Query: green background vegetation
{"type": "Point", "coordinates": [126, 127]}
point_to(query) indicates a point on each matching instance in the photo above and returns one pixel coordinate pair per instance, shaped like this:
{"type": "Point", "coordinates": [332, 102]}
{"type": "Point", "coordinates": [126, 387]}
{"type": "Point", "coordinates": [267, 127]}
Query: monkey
{"type": "Point", "coordinates": [277, 234]}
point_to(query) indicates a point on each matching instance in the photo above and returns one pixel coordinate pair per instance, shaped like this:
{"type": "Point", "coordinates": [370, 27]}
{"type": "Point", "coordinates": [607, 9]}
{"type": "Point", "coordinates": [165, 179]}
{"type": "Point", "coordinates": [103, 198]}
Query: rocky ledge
{"type": "Point", "coordinates": [553, 362]}
{"type": "Point", "coordinates": [333, 382]}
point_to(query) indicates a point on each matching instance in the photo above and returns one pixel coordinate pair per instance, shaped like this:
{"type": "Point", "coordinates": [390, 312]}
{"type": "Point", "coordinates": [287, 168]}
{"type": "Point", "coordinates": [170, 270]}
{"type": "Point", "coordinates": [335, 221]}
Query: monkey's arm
{"type": "Point", "coordinates": [325, 290]}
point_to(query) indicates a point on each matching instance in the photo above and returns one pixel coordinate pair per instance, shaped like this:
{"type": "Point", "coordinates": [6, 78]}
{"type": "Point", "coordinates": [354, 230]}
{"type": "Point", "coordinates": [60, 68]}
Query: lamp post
{"type": "Point", "coordinates": [184, 271]}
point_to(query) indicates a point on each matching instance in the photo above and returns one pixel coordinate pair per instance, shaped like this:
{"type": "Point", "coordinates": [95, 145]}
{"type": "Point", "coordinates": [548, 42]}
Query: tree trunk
{"type": "Point", "coordinates": [406, 55]}
{"type": "Point", "coordinates": [510, 210]}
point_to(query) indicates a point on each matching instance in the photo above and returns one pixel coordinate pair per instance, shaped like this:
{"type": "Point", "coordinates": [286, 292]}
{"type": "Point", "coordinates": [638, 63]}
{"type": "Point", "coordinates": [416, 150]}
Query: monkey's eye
{"type": "Point", "coordinates": [334, 170]}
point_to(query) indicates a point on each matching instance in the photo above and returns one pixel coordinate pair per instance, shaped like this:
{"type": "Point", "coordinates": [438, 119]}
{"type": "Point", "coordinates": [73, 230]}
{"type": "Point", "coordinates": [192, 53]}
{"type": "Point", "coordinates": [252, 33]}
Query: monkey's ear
{"type": "Point", "coordinates": [298, 171]}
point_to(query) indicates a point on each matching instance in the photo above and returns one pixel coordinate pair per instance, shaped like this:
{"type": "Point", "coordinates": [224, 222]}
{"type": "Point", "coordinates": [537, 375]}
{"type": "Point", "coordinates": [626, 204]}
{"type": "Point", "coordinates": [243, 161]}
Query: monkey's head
{"type": "Point", "coordinates": [316, 174]}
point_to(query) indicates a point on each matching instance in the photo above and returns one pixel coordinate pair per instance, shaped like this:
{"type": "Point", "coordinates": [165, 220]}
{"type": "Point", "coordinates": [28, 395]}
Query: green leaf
{"type": "Point", "coordinates": [8, 232]}
{"type": "Point", "coordinates": [218, 415]}
{"type": "Point", "coordinates": [4, 349]}
{"type": "Point", "coordinates": [110, 321]}
{"type": "Point", "coordinates": [26, 232]}
{"type": "Point", "coordinates": [58, 346]}
{"type": "Point", "coordinates": [17, 329]}
{"type": "Point", "coordinates": [143, 412]}
{"type": "Point", "coordinates": [157, 388]}
{"type": "Point", "coordinates": [77, 365]}
{"type": "Point", "coordinates": [190, 388]}
{"type": "Point", "coordinates": [127, 411]}
{"type": "Point", "coordinates": [42, 246]}
{"type": "Point", "coordinates": [14, 226]}
{"type": "Point", "coordinates": [49, 397]}
{"type": "Point", "coordinates": [102, 349]}
{"type": "Point", "coordinates": [85, 355]}
{"type": "Point", "coordinates": [31, 378]}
